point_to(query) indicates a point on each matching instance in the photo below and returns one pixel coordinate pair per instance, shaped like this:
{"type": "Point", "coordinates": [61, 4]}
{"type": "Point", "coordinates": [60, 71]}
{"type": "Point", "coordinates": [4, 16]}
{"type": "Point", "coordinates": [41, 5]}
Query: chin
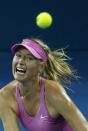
{"type": "Point", "coordinates": [19, 78]}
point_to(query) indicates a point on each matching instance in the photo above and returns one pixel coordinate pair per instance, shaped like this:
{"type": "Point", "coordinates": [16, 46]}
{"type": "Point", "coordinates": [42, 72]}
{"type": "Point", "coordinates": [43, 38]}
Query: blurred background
{"type": "Point", "coordinates": [69, 30]}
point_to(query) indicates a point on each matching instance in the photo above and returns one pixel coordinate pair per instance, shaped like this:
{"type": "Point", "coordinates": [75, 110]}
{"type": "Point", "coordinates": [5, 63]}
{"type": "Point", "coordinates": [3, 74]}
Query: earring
{"type": "Point", "coordinates": [43, 74]}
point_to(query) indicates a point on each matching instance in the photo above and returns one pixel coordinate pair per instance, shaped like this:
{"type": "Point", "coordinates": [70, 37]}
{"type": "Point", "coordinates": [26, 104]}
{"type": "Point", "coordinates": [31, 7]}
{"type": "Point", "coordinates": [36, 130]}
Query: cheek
{"type": "Point", "coordinates": [13, 64]}
{"type": "Point", "coordinates": [13, 61]}
{"type": "Point", "coordinates": [34, 67]}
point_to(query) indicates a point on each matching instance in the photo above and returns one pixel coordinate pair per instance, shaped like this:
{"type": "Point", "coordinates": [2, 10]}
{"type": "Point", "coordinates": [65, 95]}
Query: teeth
{"type": "Point", "coordinates": [20, 70]}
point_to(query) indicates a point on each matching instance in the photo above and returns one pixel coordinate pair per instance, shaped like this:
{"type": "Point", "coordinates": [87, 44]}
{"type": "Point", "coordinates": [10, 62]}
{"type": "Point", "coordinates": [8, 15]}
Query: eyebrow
{"type": "Point", "coordinates": [29, 54]}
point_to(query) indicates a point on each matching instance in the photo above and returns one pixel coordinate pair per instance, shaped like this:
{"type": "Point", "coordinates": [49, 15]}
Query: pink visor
{"type": "Point", "coordinates": [33, 47]}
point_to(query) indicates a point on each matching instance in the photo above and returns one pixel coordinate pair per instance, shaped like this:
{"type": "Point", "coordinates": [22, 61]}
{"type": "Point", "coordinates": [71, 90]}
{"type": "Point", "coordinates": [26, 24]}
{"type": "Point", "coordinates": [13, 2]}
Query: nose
{"type": "Point", "coordinates": [21, 61]}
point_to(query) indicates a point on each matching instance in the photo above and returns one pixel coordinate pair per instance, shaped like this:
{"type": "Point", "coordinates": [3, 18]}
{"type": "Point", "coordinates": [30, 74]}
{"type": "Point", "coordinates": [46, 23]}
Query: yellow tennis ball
{"type": "Point", "coordinates": [44, 20]}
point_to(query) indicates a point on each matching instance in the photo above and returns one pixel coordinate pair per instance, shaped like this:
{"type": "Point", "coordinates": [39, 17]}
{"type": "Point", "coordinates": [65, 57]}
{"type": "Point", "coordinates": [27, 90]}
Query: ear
{"type": "Point", "coordinates": [42, 66]}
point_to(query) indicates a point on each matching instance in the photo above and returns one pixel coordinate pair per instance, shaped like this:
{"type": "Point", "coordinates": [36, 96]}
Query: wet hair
{"type": "Point", "coordinates": [57, 68]}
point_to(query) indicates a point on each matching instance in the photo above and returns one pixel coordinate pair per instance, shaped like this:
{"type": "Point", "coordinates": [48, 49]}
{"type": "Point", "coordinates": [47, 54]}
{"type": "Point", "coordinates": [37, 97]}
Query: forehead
{"type": "Point", "coordinates": [24, 51]}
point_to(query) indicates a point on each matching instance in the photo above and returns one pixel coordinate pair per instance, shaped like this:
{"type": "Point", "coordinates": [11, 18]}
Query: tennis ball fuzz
{"type": "Point", "coordinates": [44, 20]}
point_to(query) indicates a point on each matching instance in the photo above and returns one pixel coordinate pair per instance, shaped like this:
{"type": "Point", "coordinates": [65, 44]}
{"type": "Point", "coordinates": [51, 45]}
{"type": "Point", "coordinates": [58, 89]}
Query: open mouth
{"type": "Point", "coordinates": [20, 70]}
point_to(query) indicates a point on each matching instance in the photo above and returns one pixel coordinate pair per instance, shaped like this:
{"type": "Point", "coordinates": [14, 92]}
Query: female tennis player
{"type": "Point", "coordinates": [37, 95]}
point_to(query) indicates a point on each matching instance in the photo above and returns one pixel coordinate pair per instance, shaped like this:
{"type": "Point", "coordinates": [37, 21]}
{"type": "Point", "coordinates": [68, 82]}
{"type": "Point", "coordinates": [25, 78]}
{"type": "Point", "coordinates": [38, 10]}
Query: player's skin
{"type": "Point", "coordinates": [57, 100]}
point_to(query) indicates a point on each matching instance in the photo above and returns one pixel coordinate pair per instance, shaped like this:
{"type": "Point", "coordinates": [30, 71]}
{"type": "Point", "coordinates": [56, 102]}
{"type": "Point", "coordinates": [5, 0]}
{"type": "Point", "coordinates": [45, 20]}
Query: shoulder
{"type": "Point", "coordinates": [57, 95]}
{"type": "Point", "coordinates": [54, 90]}
{"type": "Point", "coordinates": [7, 96]}
{"type": "Point", "coordinates": [8, 90]}
{"type": "Point", "coordinates": [54, 87]}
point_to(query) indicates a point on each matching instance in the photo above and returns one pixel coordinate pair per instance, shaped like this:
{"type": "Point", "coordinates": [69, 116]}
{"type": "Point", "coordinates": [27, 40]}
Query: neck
{"type": "Point", "coordinates": [30, 86]}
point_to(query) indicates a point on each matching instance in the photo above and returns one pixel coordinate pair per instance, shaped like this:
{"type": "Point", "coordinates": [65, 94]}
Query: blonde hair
{"type": "Point", "coordinates": [57, 67]}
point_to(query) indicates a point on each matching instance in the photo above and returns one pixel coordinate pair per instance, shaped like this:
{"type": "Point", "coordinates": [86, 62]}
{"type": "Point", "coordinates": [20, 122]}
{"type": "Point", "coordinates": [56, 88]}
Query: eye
{"type": "Point", "coordinates": [30, 58]}
{"type": "Point", "coordinates": [18, 55]}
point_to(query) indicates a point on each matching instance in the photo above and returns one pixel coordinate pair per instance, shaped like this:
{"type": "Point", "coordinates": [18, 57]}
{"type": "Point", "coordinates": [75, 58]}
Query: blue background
{"type": "Point", "coordinates": [69, 29]}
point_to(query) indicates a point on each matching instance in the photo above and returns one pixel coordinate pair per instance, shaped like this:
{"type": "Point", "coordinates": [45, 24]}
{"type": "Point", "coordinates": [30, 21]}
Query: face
{"type": "Point", "coordinates": [25, 65]}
